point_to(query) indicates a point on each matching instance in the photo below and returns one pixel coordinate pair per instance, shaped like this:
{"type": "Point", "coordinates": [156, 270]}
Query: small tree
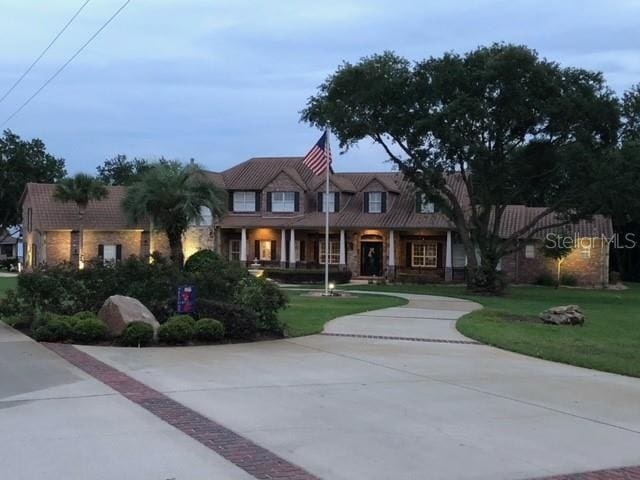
{"type": "Point", "coordinates": [171, 195]}
{"type": "Point", "coordinates": [80, 189]}
{"type": "Point", "coordinates": [557, 246]}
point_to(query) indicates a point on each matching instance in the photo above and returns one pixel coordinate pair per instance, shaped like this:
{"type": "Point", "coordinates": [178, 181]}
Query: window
{"type": "Point", "coordinates": [331, 198]}
{"type": "Point", "coordinates": [297, 248]}
{"type": "Point", "coordinates": [425, 206]}
{"type": "Point", "coordinates": [334, 252]}
{"type": "Point", "coordinates": [244, 201]}
{"type": "Point", "coordinates": [234, 250]}
{"type": "Point", "coordinates": [375, 202]}
{"type": "Point", "coordinates": [109, 255]}
{"type": "Point", "coordinates": [424, 255]}
{"type": "Point", "coordinates": [29, 219]}
{"type": "Point", "coordinates": [283, 201]}
{"type": "Point", "coordinates": [529, 251]}
{"type": "Point", "coordinates": [207, 218]}
{"type": "Point", "coordinates": [6, 250]}
{"type": "Point", "coordinates": [265, 250]}
{"type": "Point", "coordinates": [585, 251]}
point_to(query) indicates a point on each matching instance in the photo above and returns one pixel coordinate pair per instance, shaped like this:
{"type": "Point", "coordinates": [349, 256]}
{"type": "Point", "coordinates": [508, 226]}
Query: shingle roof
{"type": "Point", "coordinates": [51, 214]}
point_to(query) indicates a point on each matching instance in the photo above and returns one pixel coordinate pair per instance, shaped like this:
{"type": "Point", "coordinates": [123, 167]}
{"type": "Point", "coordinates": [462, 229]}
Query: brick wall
{"type": "Point", "coordinates": [131, 241]}
{"type": "Point", "coordinates": [57, 247]}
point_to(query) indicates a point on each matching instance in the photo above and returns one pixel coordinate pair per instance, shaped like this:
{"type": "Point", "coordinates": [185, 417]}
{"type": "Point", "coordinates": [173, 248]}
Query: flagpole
{"type": "Point", "coordinates": [326, 220]}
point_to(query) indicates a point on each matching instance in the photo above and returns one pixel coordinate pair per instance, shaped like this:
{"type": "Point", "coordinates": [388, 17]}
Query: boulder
{"type": "Point", "coordinates": [563, 315]}
{"type": "Point", "coordinates": [118, 311]}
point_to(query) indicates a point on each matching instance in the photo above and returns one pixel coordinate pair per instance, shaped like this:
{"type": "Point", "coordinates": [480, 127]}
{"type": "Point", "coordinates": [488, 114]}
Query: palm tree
{"type": "Point", "coordinates": [81, 189]}
{"type": "Point", "coordinates": [171, 195]}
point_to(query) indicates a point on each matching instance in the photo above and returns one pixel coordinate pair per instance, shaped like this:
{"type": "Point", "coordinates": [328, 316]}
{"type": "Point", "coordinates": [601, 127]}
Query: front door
{"type": "Point", "coordinates": [371, 259]}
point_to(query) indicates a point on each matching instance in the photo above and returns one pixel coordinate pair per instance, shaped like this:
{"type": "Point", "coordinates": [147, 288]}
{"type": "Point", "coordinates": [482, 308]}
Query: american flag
{"type": "Point", "coordinates": [319, 157]}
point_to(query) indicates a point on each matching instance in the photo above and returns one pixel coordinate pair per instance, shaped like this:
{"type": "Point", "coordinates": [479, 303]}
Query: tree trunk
{"type": "Point", "coordinates": [175, 246]}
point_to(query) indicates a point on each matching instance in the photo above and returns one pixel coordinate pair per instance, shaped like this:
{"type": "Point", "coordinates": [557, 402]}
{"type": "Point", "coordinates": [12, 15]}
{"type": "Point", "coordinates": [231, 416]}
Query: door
{"type": "Point", "coordinates": [371, 259]}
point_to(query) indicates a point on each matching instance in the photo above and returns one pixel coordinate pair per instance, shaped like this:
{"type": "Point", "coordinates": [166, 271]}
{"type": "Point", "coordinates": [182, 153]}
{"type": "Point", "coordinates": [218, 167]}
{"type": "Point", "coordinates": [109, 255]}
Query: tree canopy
{"type": "Point", "coordinates": [21, 162]}
{"type": "Point", "coordinates": [120, 170]}
{"type": "Point", "coordinates": [505, 124]}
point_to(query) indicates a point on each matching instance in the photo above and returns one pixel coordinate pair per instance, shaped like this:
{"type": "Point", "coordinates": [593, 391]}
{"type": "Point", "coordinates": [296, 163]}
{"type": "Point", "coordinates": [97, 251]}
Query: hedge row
{"type": "Point", "coordinates": [309, 276]}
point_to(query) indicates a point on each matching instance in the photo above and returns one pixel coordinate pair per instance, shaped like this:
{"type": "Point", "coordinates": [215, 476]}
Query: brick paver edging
{"type": "Point", "coordinates": [626, 473]}
{"type": "Point", "coordinates": [407, 339]}
{"type": "Point", "coordinates": [252, 458]}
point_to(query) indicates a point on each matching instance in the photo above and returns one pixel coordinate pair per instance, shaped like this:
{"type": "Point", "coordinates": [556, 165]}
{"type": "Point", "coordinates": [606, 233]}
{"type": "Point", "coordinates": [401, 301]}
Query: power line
{"type": "Point", "coordinates": [26, 72]}
{"type": "Point", "coordinates": [64, 65]}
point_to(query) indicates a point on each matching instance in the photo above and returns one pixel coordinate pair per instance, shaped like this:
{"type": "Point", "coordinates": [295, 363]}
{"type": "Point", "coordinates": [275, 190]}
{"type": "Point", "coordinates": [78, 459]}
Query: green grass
{"type": "Point", "coordinates": [609, 340]}
{"type": "Point", "coordinates": [6, 283]}
{"type": "Point", "coordinates": [307, 315]}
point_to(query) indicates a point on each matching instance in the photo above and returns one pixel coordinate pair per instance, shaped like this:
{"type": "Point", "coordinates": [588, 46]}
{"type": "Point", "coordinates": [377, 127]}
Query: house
{"type": "Point", "coordinates": [379, 227]}
{"type": "Point", "coordinates": [8, 246]}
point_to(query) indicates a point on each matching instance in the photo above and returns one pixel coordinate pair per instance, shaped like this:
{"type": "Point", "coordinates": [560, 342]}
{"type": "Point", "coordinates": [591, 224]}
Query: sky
{"type": "Point", "coordinates": [222, 81]}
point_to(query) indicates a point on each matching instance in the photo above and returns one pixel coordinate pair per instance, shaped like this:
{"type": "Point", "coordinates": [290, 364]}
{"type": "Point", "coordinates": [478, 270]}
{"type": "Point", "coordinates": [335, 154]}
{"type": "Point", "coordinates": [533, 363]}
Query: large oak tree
{"type": "Point", "coordinates": [507, 124]}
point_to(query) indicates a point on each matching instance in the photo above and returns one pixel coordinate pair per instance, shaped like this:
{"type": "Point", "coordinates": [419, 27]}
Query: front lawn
{"type": "Point", "coordinates": [609, 340]}
{"type": "Point", "coordinates": [6, 283]}
{"type": "Point", "coordinates": [307, 315]}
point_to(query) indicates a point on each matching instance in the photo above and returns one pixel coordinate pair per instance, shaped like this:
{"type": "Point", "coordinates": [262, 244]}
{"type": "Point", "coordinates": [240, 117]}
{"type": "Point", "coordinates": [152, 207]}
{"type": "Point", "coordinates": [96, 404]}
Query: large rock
{"type": "Point", "coordinates": [118, 311]}
{"type": "Point", "coordinates": [563, 315]}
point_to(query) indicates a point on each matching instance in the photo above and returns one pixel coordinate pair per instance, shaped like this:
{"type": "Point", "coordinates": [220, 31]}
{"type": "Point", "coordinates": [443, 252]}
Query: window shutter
{"type": "Point", "coordinates": [296, 202]}
{"type": "Point", "coordinates": [440, 251]}
{"type": "Point", "coordinates": [269, 201]}
{"type": "Point", "coordinates": [383, 203]}
{"type": "Point", "coordinates": [337, 201]}
{"type": "Point", "coordinates": [303, 252]}
{"type": "Point", "coordinates": [274, 245]}
{"type": "Point", "coordinates": [408, 254]}
{"type": "Point", "coordinates": [230, 201]}
{"type": "Point", "coordinates": [320, 205]}
{"type": "Point", "coordinates": [118, 253]}
{"type": "Point", "coordinates": [418, 202]}
{"type": "Point", "coordinates": [366, 202]}
{"type": "Point", "coordinates": [101, 251]}
{"type": "Point", "coordinates": [258, 201]}
{"type": "Point", "coordinates": [316, 251]}
{"type": "Point", "coordinates": [256, 253]}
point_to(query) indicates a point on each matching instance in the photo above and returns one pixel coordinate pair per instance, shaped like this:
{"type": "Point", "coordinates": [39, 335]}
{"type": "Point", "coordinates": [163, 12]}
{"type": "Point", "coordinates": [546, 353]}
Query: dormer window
{"type": "Point", "coordinates": [244, 201]}
{"type": "Point", "coordinates": [423, 205]}
{"type": "Point", "coordinates": [332, 201]}
{"type": "Point", "coordinates": [283, 202]}
{"type": "Point", "coordinates": [375, 202]}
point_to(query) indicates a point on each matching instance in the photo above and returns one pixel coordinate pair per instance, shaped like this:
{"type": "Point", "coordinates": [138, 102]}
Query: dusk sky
{"type": "Point", "coordinates": [223, 81]}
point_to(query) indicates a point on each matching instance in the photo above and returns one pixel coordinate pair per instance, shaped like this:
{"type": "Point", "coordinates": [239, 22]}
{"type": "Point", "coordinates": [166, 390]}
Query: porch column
{"type": "Point", "coordinates": [448, 263]}
{"type": "Point", "coordinates": [243, 246]}
{"type": "Point", "coordinates": [283, 248]}
{"type": "Point", "coordinates": [343, 251]}
{"type": "Point", "coordinates": [392, 254]}
{"type": "Point", "coordinates": [292, 249]}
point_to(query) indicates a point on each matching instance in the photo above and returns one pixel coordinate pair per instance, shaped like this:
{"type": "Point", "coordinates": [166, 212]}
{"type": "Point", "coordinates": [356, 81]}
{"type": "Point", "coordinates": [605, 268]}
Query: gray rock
{"type": "Point", "coordinates": [563, 315]}
{"type": "Point", "coordinates": [118, 311]}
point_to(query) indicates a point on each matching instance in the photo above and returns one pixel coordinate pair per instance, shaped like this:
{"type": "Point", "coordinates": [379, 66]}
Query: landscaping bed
{"type": "Point", "coordinates": [608, 341]}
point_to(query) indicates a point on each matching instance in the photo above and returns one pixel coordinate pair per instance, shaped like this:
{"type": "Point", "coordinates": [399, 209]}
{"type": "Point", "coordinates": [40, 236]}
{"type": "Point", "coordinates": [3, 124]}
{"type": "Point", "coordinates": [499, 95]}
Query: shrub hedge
{"type": "Point", "coordinates": [54, 329]}
{"type": "Point", "coordinates": [176, 331]}
{"type": "Point", "coordinates": [306, 276]}
{"type": "Point", "coordinates": [88, 330]}
{"type": "Point", "coordinates": [240, 323]}
{"type": "Point", "coordinates": [209, 330]}
{"type": "Point", "coordinates": [137, 334]}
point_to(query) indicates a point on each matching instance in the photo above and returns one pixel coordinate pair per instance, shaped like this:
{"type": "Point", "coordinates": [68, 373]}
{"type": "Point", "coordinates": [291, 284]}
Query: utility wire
{"type": "Point", "coordinates": [26, 72]}
{"type": "Point", "coordinates": [64, 65]}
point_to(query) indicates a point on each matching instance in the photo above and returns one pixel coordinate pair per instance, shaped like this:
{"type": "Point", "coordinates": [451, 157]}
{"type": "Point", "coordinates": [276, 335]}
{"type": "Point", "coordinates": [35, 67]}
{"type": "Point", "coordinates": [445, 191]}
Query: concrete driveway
{"type": "Point", "coordinates": [347, 407]}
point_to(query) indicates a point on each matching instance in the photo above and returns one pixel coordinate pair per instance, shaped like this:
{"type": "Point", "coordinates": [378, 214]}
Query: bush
{"type": "Point", "coordinates": [56, 328]}
{"type": "Point", "coordinates": [546, 280]}
{"type": "Point", "coordinates": [176, 331]}
{"type": "Point", "coordinates": [15, 321]}
{"type": "Point", "coordinates": [239, 322]}
{"type": "Point", "coordinates": [186, 318]}
{"type": "Point", "coordinates": [568, 280]}
{"type": "Point", "coordinates": [137, 334]}
{"type": "Point", "coordinates": [308, 276]}
{"type": "Point", "coordinates": [214, 276]}
{"type": "Point", "coordinates": [614, 277]}
{"type": "Point", "coordinates": [208, 330]}
{"type": "Point", "coordinates": [88, 330]}
{"type": "Point", "coordinates": [265, 299]}
{"type": "Point", "coordinates": [419, 278]}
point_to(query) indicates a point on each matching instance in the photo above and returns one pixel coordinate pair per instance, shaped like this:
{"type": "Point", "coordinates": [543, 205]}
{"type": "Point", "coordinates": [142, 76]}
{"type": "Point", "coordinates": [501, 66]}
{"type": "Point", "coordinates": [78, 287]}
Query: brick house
{"type": "Point", "coordinates": [379, 226]}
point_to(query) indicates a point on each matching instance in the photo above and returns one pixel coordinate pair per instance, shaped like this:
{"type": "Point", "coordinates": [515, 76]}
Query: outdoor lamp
{"type": "Point", "coordinates": [332, 287]}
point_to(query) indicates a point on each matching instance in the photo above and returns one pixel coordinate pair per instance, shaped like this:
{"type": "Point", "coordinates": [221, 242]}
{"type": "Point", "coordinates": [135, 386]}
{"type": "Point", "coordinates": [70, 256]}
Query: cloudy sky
{"type": "Point", "coordinates": [223, 80]}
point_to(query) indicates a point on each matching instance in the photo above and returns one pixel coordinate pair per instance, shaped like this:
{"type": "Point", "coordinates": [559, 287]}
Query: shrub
{"type": "Point", "coordinates": [56, 328]}
{"type": "Point", "coordinates": [306, 276]}
{"type": "Point", "coordinates": [88, 330]}
{"type": "Point", "coordinates": [239, 322]}
{"type": "Point", "coordinates": [568, 280]}
{"type": "Point", "coordinates": [419, 278]}
{"type": "Point", "coordinates": [614, 277]}
{"type": "Point", "coordinates": [546, 280]}
{"type": "Point", "coordinates": [176, 331]}
{"type": "Point", "coordinates": [185, 318]}
{"type": "Point", "coordinates": [137, 334]}
{"type": "Point", "coordinates": [214, 276]}
{"type": "Point", "coordinates": [208, 329]}
{"type": "Point", "coordinates": [265, 299]}
{"type": "Point", "coordinates": [15, 321]}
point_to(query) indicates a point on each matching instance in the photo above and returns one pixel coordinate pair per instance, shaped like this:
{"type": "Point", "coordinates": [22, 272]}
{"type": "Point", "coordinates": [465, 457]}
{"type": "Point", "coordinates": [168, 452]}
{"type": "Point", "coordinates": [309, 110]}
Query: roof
{"type": "Point", "coordinates": [258, 173]}
{"type": "Point", "coordinates": [51, 214]}
{"type": "Point", "coordinates": [7, 239]}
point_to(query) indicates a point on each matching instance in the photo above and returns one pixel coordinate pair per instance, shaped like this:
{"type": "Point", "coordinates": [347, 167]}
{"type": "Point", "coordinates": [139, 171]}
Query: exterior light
{"type": "Point", "coordinates": [332, 286]}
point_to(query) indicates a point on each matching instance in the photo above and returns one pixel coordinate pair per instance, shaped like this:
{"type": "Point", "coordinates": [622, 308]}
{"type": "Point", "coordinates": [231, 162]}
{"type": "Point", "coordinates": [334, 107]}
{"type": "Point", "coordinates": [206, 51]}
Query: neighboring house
{"type": "Point", "coordinates": [8, 246]}
{"type": "Point", "coordinates": [379, 226]}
